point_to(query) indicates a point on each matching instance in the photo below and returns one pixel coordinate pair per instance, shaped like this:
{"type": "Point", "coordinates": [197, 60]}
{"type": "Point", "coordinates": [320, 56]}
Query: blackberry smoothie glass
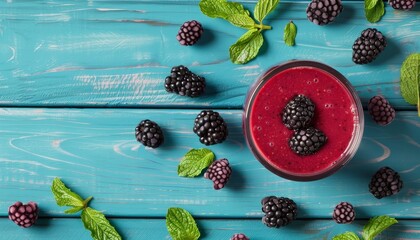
{"type": "Point", "coordinates": [338, 113]}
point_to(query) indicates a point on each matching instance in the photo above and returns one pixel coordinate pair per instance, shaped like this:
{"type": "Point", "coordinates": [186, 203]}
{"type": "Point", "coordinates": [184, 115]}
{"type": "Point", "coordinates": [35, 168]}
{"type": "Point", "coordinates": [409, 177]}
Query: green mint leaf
{"type": "Point", "coordinates": [410, 78]}
{"type": "Point", "coordinates": [98, 225]}
{"type": "Point", "coordinates": [193, 163]}
{"type": "Point", "coordinates": [73, 210]}
{"type": "Point", "coordinates": [181, 225]}
{"type": "Point", "coordinates": [242, 21]}
{"type": "Point", "coordinates": [290, 32]}
{"type": "Point", "coordinates": [64, 196]}
{"type": "Point", "coordinates": [369, 4]}
{"type": "Point", "coordinates": [376, 225]}
{"type": "Point", "coordinates": [374, 14]}
{"type": "Point", "coordinates": [263, 8]}
{"type": "Point", "coordinates": [247, 47]}
{"type": "Point", "coordinates": [346, 236]}
{"type": "Point", "coordinates": [221, 8]}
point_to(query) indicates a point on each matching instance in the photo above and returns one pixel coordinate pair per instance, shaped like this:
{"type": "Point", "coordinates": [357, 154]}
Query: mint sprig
{"type": "Point", "coordinates": [346, 236]}
{"type": "Point", "coordinates": [410, 80]}
{"type": "Point", "coordinates": [92, 219]}
{"type": "Point", "coordinates": [374, 227]}
{"type": "Point", "coordinates": [290, 32]}
{"type": "Point", "coordinates": [193, 163]}
{"type": "Point", "coordinates": [377, 225]}
{"type": "Point", "coordinates": [181, 225]}
{"type": "Point", "coordinates": [249, 44]}
{"type": "Point", "coordinates": [374, 10]}
{"type": "Point", "coordinates": [98, 225]}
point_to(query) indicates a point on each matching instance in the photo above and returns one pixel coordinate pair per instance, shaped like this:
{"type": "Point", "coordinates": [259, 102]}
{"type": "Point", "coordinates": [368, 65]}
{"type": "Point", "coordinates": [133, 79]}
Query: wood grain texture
{"type": "Point", "coordinates": [94, 151]}
{"type": "Point", "coordinates": [117, 53]}
{"type": "Point", "coordinates": [60, 229]}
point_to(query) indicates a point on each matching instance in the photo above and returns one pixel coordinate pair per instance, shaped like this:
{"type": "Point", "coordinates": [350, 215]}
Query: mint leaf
{"type": "Point", "coordinates": [181, 225]}
{"type": "Point", "coordinates": [346, 236]}
{"type": "Point", "coordinates": [242, 21]}
{"type": "Point", "coordinates": [369, 4]}
{"type": "Point", "coordinates": [64, 196]}
{"type": "Point", "coordinates": [375, 13]}
{"type": "Point", "coordinates": [247, 47]}
{"type": "Point", "coordinates": [290, 32]}
{"type": "Point", "coordinates": [98, 225]}
{"type": "Point", "coordinates": [73, 210]}
{"type": "Point", "coordinates": [221, 8]}
{"type": "Point", "coordinates": [194, 162]}
{"type": "Point", "coordinates": [410, 78]}
{"type": "Point", "coordinates": [263, 8]}
{"type": "Point", "coordinates": [376, 225]}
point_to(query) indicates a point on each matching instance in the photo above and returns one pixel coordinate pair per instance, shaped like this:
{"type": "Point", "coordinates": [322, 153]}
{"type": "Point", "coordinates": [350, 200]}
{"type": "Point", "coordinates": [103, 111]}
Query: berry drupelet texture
{"type": "Point", "coordinates": [322, 12]}
{"type": "Point", "coordinates": [210, 127]}
{"type": "Point", "coordinates": [239, 236]}
{"type": "Point", "coordinates": [149, 133]}
{"type": "Point", "coordinates": [219, 172]}
{"type": "Point", "coordinates": [279, 211]}
{"type": "Point", "coordinates": [184, 82]}
{"type": "Point", "coordinates": [24, 215]}
{"type": "Point", "coordinates": [381, 111]}
{"type": "Point", "coordinates": [385, 182]}
{"type": "Point", "coordinates": [344, 213]}
{"type": "Point", "coordinates": [298, 112]}
{"type": "Point", "coordinates": [402, 4]}
{"type": "Point", "coordinates": [368, 46]}
{"type": "Point", "coordinates": [307, 141]}
{"type": "Point", "coordinates": [189, 33]}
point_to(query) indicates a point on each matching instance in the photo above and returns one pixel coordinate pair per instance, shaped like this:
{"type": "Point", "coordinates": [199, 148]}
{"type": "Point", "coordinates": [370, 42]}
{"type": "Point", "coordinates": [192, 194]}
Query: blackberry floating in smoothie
{"type": "Point", "coordinates": [333, 124]}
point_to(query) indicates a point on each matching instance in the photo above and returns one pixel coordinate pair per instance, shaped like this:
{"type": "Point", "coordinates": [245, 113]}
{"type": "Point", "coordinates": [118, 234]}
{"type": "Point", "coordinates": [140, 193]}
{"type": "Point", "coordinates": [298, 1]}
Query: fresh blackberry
{"type": "Point", "coordinates": [279, 211]}
{"type": "Point", "coordinates": [298, 113]}
{"type": "Point", "coordinates": [344, 213]}
{"type": "Point", "coordinates": [24, 215]}
{"type": "Point", "coordinates": [381, 111]}
{"type": "Point", "coordinates": [322, 12]}
{"type": "Point", "coordinates": [210, 127]}
{"type": "Point", "coordinates": [189, 33]}
{"type": "Point", "coordinates": [368, 46]}
{"type": "Point", "coordinates": [184, 82]}
{"type": "Point", "coordinates": [219, 172]}
{"type": "Point", "coordinates": [149, 134]}
{"type": "Point", "coordinates": [239, 236]}
{"type": "Point", "coordinates": [385, 182]}
{"type": "Point", "coordinates": [402, 4]}
{"type": "Point", "coordinates": [307, 141]}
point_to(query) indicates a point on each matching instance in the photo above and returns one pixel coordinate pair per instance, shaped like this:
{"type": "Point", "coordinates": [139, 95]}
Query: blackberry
{"type": "Point", "coordinates": [298, 113]}
{"type": "Point", "coordinates": [307, 141]}
{"type": "Point", "coordinates": [184, 82]}
{"type": "Point", "coordinates": [24, 215]}
{"type": "Point", "coordinates": [402, 4]}
{"type": "Point", "coordinates": [381, 111]}
{"type": "Point", "coordinates": [385, 182]}
{"type": "Point", "coordinates": [239, 236]}
{"type": "Point", "coordinates": [189, 33]}
{"type": "Point", "coordinates": [322, 12]}
{"type": "Point", "coordinates": [210, 127]}
{"type": "Point", "coordinates": [344, 213]}
{"type": "Point", "coordinates": [279, 211]}
{"type": "Point", "coordinates": [149, 134]}
{"type": "Point", "coordinates": [219, 172]}
{"type": "Point", "coordinates": [368, 46]}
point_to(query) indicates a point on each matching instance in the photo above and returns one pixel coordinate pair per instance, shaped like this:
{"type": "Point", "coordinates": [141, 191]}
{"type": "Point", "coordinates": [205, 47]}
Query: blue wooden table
{"type": "Point", "coordinates": [76, 77]}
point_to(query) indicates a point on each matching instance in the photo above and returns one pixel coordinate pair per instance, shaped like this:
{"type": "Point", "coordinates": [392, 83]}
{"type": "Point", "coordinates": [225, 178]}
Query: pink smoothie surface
{"type": "Point", "coordinates": [334, 115]}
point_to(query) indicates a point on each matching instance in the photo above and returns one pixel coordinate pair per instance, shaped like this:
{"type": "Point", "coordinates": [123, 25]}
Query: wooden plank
{"type": "Point", "coordinates": [64, 228]}
{"type": "Point", "coordinates": [117, 53]}
{"type": "Point", "coordinates": [94, 151]}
